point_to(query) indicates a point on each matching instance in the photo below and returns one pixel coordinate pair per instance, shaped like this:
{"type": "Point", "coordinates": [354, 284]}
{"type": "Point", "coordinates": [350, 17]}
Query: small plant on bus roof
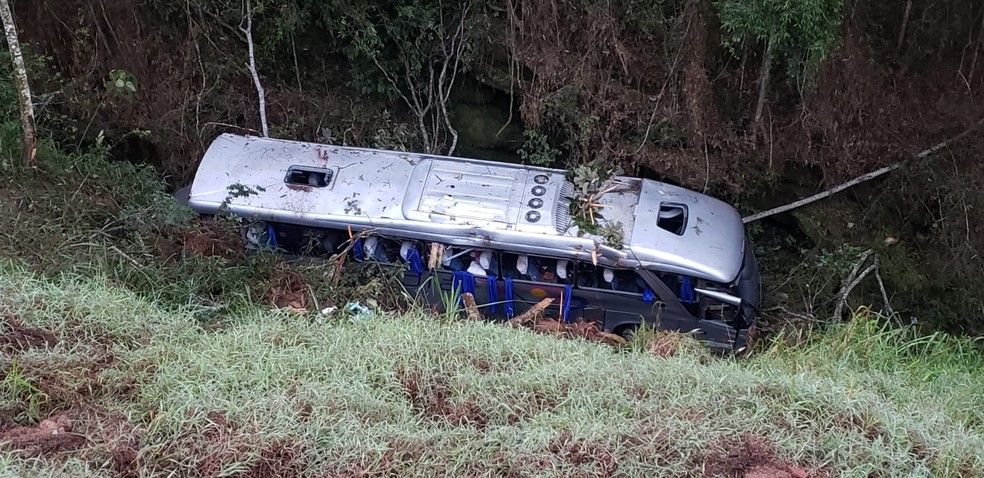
{"type": "Point", "coordinates": [612, 234]}
{"type": "Point", "coordinates": [591, 182]}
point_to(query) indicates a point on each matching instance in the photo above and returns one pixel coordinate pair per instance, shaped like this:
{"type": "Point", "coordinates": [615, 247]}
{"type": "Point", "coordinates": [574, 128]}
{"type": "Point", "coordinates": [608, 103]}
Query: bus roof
{"type": "Point", "coordinates": [509, 206]}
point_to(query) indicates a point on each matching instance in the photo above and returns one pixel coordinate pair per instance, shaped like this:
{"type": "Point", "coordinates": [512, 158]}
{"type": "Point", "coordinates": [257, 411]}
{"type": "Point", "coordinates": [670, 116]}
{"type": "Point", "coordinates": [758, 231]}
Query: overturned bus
{"type": "Point", "coordinates": [503, 232]}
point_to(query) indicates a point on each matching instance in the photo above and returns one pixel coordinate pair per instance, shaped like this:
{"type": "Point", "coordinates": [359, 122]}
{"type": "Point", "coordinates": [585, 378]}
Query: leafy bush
{"type": "Point", "coordinates": [802, 32]}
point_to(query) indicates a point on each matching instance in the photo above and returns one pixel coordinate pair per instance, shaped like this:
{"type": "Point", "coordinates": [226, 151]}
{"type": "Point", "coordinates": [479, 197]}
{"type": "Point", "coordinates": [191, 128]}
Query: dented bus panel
{"type": "Point", "coordinates": [501, 231]}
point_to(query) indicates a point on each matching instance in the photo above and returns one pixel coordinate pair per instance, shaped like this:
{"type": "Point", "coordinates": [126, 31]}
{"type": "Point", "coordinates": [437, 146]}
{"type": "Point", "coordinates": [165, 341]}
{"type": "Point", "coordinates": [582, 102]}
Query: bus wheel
{"type": "Point", "coordinates": [627, 332]}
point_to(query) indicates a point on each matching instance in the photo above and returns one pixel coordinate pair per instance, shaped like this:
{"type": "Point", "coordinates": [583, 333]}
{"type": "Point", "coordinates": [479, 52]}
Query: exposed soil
{"type": "Point", "coordinates": [750, 457]}
{"type": "Point", "coordinates": [581, 453]}
{"type": "Point", "coordinates": [579, 328]}
{"type": "Point", "coordinates": [432, 397]}
{"type": "Point", "coordinates": [289, 291]}
{"type": "Point", "coordinates": [279, 459]}
{"type": "Point", "coordinates": [53, 435]}
{"type": "Point", "coordinates": [209, 241]}
{"type": "Point", "coordinates": [15, 337]}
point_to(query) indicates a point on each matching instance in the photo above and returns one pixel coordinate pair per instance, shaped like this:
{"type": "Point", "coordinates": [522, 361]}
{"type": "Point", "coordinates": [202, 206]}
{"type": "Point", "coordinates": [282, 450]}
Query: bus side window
{"type": "Point", "coordinates": [587, 275]}
{"type": "Point", "coordinates": [537, 269]}
{"type": "Point", "coordinates": [380, 249]}
{"type": "Point", "coordinates": [600, 277]}
{"type": "Point", "coordinates": [476, 261]}
{"type": "Point", "coordinates": [513, 268]}
{"type": "Point", "coordinates": [627, 280]}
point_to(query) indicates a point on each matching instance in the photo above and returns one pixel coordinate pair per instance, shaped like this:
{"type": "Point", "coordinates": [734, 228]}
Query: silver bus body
{"type": "Point", "coordinates": [671, 237]}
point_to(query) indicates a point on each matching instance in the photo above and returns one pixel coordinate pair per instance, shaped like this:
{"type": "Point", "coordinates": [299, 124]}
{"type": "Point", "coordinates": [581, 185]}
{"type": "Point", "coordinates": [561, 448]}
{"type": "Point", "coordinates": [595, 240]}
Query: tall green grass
{"type": "Point", "coordinates": [408, 396]}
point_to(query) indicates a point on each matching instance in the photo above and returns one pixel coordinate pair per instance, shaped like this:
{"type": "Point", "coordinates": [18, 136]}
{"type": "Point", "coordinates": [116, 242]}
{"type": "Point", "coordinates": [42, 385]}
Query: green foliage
{"type": "Point", "coordinates": [651, 16]}
{"type": "Point", "coordinates": [121, 82]}
{"type": "Point", "coordinates": [536, 150]}
{"type": "Point", "coordinates": [801, 32]}
{"type": "Point", "coordinates": [565, 115]}
{"type": "Point", "coordinates": [16, 389]}
{"type": "Point", "coordinates": [591, 181]}
{"type": "Point", "coordinates": [613, 234]}
{"type": "Point", "coordinates": [400, 39]}
{"type": "Point", "coordinates": [839, 262]}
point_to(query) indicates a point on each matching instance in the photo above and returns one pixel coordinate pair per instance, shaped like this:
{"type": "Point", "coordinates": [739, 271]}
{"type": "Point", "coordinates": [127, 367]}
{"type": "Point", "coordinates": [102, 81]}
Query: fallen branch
{"type": "Point", "coordinates": [881, 286]}
{"type": "Point", "coordinates": [341, 255]}
{"type": "Point", "coordinates": [532, 313]}
{"type": "Point", "coordinates": [860, 179]}
{"type": "Point", "coordinates": [852, 281]}
{"type": "Point", "coordinates": [471, 308]}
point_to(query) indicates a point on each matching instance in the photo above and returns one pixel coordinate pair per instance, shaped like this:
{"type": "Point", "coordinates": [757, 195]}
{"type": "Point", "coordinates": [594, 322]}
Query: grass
{"type": "Point", "coordinates": [403, 396]}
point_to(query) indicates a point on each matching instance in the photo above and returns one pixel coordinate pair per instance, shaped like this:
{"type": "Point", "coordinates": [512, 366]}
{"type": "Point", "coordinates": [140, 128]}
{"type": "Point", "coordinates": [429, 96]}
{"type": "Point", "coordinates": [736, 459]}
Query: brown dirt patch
{"type": "Point", "coordinates": [670, 344]}
{"type": "Point", "coordinates": [581, 453]}
{"type": "Point", "coordinates": [206, 448]}
{"type": "Point", "coordinates": [211, 241]}
{"type": "Point", "coordinates": [579, 328]}
{"type": "Point", "coordinates": [289, 291]}
{"type": "Point", "coordinates": [750, 457]}
{"type": "Point", "coordinates": [16, 337]}
{"type": "Point", "coordinates": [53, 435]}
{"type": "Point", "coordinates": [86, 432]}
{"type": "Point", "coordinates": [279, 459]}
{"type": "Point", "coordinates": [433, 397]}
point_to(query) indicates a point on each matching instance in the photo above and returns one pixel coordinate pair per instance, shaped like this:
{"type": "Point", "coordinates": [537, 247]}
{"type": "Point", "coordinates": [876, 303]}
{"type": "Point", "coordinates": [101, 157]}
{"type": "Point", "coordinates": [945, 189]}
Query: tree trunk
{"type": "Point", "coordinates": [763, 83]}
{"type": "Point", "coordinates": [23, 88]}
{"type": "Point", "coordinates": [252, 69]}
{"type": "Point", "coordinates": [905, 24]}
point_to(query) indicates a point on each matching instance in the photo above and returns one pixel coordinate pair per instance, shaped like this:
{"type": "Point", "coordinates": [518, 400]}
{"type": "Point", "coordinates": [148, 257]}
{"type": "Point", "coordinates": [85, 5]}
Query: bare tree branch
{"type": "Point", "coordinates": [852, 281]}
{"type": "Point", "coordinates": [252, 68]}
{"type": "Point", "coordinates": [23, 87]}
{"type": "Point", "coordinates": [426, 88]}
{"type": "Point", "coordinates": [860, 179]}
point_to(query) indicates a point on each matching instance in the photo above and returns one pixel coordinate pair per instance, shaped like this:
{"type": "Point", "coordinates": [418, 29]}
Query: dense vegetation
{"type": "Point", "coordinates": [150, 343]}
{"type": "Point", "coordinates": [758, 102]}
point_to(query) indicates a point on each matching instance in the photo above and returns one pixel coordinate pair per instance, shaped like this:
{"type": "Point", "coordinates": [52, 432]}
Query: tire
{"type": "Point", "coordinates": [182, 195]}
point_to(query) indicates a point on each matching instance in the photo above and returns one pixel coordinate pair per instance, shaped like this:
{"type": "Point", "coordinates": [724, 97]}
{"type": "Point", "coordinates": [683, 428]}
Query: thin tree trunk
{"type": "Point", "coordinates": [23, 88]}
{"type": "Point", "coordinates": [297, 69]}
{"type": "Point", "coordinates": [252, 69]}
{"type": "Point", "coordinates": [905, 24]}
{"type": "Point", "coordinates": [763, 83]}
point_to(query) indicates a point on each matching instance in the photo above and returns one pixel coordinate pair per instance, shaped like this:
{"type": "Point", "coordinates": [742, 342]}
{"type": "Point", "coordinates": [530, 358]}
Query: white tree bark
{"type": "Point", "coordinates": [252, 69]}
{"type": "Point", "coordinates": [763, 82]}
{"type": "Point", "coordinates": [23, 88]}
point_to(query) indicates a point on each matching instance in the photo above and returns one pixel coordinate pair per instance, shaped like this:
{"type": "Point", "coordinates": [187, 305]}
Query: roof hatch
{"type": "Point", "coordinates": [672, 217]}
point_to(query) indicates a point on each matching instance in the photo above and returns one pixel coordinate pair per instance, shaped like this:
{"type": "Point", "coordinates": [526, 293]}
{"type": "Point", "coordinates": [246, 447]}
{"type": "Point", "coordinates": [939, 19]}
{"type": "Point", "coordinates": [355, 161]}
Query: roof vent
{"type": "Point", "coordinates": [308, 176]}
{"type": "Point", "coordinates": [672, 217]}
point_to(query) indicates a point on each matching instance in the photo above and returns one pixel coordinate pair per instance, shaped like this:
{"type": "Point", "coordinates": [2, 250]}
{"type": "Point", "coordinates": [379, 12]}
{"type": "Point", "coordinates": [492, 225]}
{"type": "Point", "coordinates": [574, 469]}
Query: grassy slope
{"type": "Point", "coordinates": [405, 396]}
